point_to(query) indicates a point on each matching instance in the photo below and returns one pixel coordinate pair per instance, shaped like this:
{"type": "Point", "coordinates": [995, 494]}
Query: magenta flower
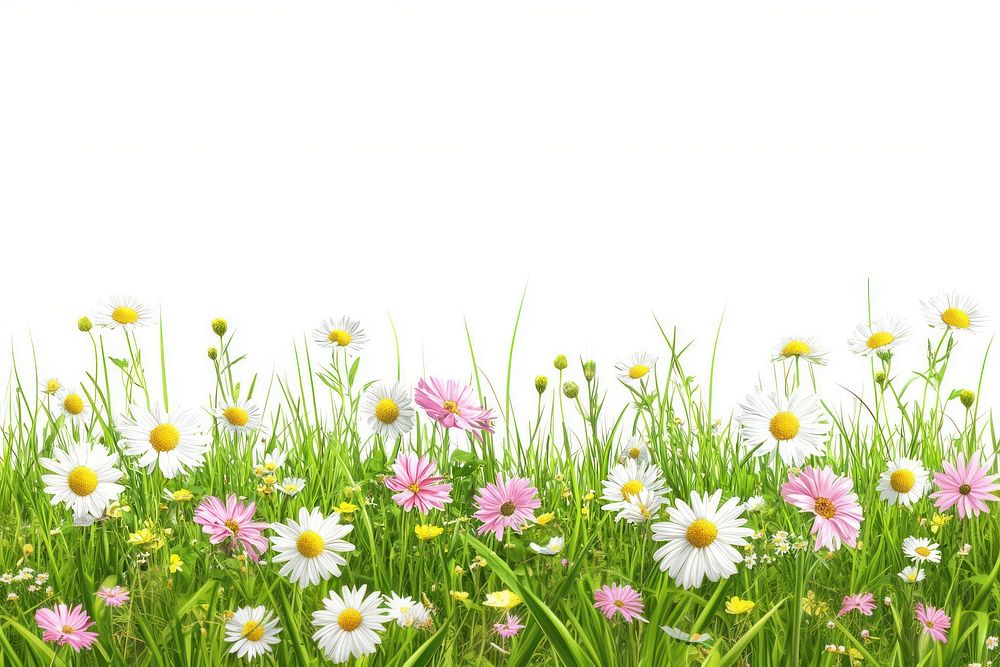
{"type": "Point", "coordinates": [863, 602]}
{"type": "Point", "coordinates": [451, 405]}
{"type": "Point", "coordinates": [935, 622]}
{"type": "Point", "coordinates": [232, 521]}
{"type": "Point", "coordinates": [510, 627]}
{"type": "Point", "coordinates": [615, 599]}
{"type": "Point", "coordinates": [418, 484]}
{"type": "Point", "coordinates": [830, 499]}
{"type": "Point", "coordinates": [966, 485]}
{"type": "Point", "coordinates": [506, 504]}
{"type": "Point", "coordinates": [113, 597]}
{"type": "Point", "coordinates": [66, 626]}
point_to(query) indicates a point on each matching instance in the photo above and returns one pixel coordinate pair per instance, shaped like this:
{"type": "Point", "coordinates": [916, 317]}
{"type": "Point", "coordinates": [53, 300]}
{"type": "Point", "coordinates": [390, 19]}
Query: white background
{"type": "Point", "coordinates": [278, 163]}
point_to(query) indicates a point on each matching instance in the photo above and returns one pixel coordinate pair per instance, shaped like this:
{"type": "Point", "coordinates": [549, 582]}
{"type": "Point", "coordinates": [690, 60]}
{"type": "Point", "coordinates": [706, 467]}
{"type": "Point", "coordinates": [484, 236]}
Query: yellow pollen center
{"type": "Point", "coordinates": [902, 481]}
{"type": "Point", "coordinates": [923, 551]}
{"type": "Point", "coordinates": [82, 481]}
{"type": "Point", "coordinates": [125, 315]}
{"type": "Point", "coordinates": [68, 629]}
{"type": "Point", "coordinates": [349, 619]}
{"type": "Point", "coordinates": [450, 406]}
{"type": "Point", "coordinates": [253, 630]}
{"type": "Point", "coordinates": [386, 411]}
{"type": "Point", "coordinates": [634, 453]}
{"type": "Point", "coordinates": [637, 371]}
{"type": "Point", "coordinates": [631, 488]}
{"type": "Point", "coordinates": [340, 337]}
{"type": "Point", "coordinates": [233, 527]}
{"type": "Point", "coordinates": [52, 386]}
{"type": "Point", "coordinates": [236, 416]}
{"type": "Point", "coordinates": [73, 404]}
{"type": "Point", "coordinates": [310, 544]}
{"type": "Point", "coordinates": [879, 339]}
{"type": "Point", "coordinates": [795, 348]}
{"type": "Point", "coordinates": [784, 426]}
{"type": "Point", "coordinates": [929, 624]}
{"type": "Point", "coordinates": [619, 603]}
{"type": "Point", "coordinates": [164, 438]}
{"type": "Point", "coordinates": [415, 488]}
{"type": "Point", "coordinates": [701, 533]}
{"type": "Point", "coordinates": [507, 509]}
{"type": "Point", "coordinates": [824, 508]}
{"type": "Point", "coordinates": [955, 317]}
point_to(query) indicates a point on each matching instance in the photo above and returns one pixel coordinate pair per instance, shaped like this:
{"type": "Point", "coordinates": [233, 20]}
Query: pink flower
{"type": "Point", "coordinates": [66, 626]}
{"type": "Point", "coordinates": [863, 602]}
{"type": "Point", "coordinates": [232, 521]}
{"type": "Point", "coordinates": [830, 499]}
{"type": "Point", "coordinates": [615, 599]}
{"type": "Point", "coordinates": [113, 597]}
{"type": "Point", "coordinates": [418, 484]}
{"type": "Point", "coordinates": [451, 405]}
{"type": "Point", "coordinates": [510, 627]}
{"type": "Point", "coordinates": [506, 504]}
{"type": "Point", "coordinates": [935, 622]}
{"type": "Point", "coordinates": [966, 485]}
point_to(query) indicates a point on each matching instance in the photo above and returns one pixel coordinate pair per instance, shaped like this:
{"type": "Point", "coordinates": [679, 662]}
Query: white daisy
{"type": "Point", "coordinates": [800, 348]}
{"type": "Point", "coordinates": [405, 611]}
{"type": "Point", "coordinates": [881, 335]}
{"type": "Point", "coordinates": [755, 504]}
{"type": "Point", "coordinates": [290, 486]}
{"type": "Point", "coordinates": [84, 477]}
{"type": "Point", "coordinates": [73, 404]}
{"type": "Point", "coordinates": [628, 479]}
{"type": "Point", "coordinates": [904, 482]}
{"type": "Point", "coordinates": [343, 334]}
{"type": "Point", "coordinates": [389, 409]}
{"type": "Point", "coordinates": [701, 539]}
{"type": "Point", "coordinates": [238, 417]}
{"type": "Point", "coordinates": [921, 550]}
{"type": "Point", "coordinates": [349, 624]}
{"type": "Point", "coordinates": [640, 507]}
{"type": "Point", "coordinates": [952, 311]}
{"type": "Point", "coordinates": [171, 441]}
{"type": "Point", "coordinates": [125, 312]}
{"type": "Point", "coordinates": [551, 548]}
{"type": "Point", "coordinates": [633, 369]}
{"type": "Point", "coordinates": [636, 449]}
{"type": "Point", "coordinates": [310, 548]}
{"type": "Point", "coordinates": [911, 574]}
{"type": "Point", "coordinates": [252, 631]}
{"type": "Point", "coordinates": [791, 425]}
{"type": "Point", "coordinates": [268, 461]}
{"type": "Point", "coordinates": [50, 386]}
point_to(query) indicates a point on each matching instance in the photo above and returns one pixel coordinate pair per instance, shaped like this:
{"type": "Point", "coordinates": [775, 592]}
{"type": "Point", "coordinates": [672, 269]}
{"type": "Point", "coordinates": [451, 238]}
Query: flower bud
{"type": "Point", "coordinates": [84, 324]}
{"type": "Point", "coordinates": [219, 326]}
{"type": "Point", "coordinates": [589, 369]}
{"type": "Point", "coordinates": [560, 362]}
{"type": "Point", "coordinates": [571, 389]}
{"type": "Point", "coordinates": [541, 382]}
{"type": "Point", "coordinates": [880, 378]}
{"type": "Point", "coordinates": [213, 353]}
{"type": "Point", "coordinates": [968, 397]}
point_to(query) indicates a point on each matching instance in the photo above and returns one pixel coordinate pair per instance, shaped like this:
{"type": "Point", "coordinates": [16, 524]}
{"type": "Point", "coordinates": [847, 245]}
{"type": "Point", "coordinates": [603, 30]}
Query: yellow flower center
{"type": "Point", "coordinates": [164, 438]}
{"type": "Point", "coordinates": [349, 619]}
{"type": "Point", "coordinates": [450, 406]}
{"type": "Point", "coordinates": [310, 544]}
{"type": "Point", "coordinates": [82, 481]}
{"type": "Point", "coordinates": [824, 508]}
{"type": "Point", "coordinates": [634, 453]}
{"type": "Point", "coordinates": [291, 488]}
{"type": "Point", "coordinates": [73, 404]}
{"type": "Point", "coordinates": [52, 386]}
{"type": "Point", "coordinates": [253, 630]}
{"type": "Point", "coordinates": [902, 481]}
{"type": "Point", "coordinates": [965, 489]}
{"type": "Point", "coordinates": [637, 371]}
{"type": "Point", "coordinates": [68, 629]}
{"type": "Point", "coordinates": [236, 416]}
{"type": "Point", "coordinates": [955, 317]}
{"type": "Point", "coordinates": [701, 533]}
{"type": "Point", "coordinates": [507, 509]}
{"type": "Point", "coordinates": [340, 337]}
{"type": "Point", "coordinates": [386, 411]}
{"type": "Point", "coordinates": [912, 576]}
{"type": "Point", "coordinates": [631, 488]}
{"type": "Point", "coordinates": [795, 348]}
{"type": "Point", "coordinates": [784, 426]}
{"type": "Point", "coordinates": [619, 603]}
{"type": "Point", "coordinates": [414, 488]}
{"type": "Point", "coordinates": [879, 339]}
{"type": "Point", "coordinates": [922, 551]}
{"type": "Point", "coordinates": [929, 624]}
{"type": "Point", "coordinates": [125, 315]}
{"type": "Point", "coordinates": [233, 527]}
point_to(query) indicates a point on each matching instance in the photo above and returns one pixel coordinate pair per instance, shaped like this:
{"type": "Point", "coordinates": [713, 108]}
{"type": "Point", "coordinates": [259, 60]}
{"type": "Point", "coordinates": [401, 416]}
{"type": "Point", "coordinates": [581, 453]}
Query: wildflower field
{"type": "Point", "coordinates": [333, 517]}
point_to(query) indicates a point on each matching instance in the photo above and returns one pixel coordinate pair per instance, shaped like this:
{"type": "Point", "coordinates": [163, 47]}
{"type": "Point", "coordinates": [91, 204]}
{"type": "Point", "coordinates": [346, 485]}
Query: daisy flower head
{"type": "Point", "coordinates": [116, 596]}
{"type": "Point", "coordinates": [450, 404]}
{"type": "Point", "coordinates": [965, 485]}
{"type": "Point", "coordinates": [551, 548]}
{"type": "Point", "coordinates": [800, 348]}
{"type": "Point", "coordinates": [635, 368]}
{"type": "Point", "coordinates": [640, 507]}
{"type": "Point", "coordinates": [506, 504]}
{"type": "Point", "coordinates": [862, 602]}
{"type": "Point", "coordinates": [881, 336]}
{"type": "Point", "coordinates": [954, 312]}
{"type": "Point", "coordinates": [291, 486]}
{"type": "Point", "coordinates": [170, 441]}
{"type": "Point", "coordinates": [265, 461]}
{"type": "Point", "coordinates": [50, 386]}
{"type": "Point", "coordinates": [389, 410]}
{"type": "Point", "coordinates": [84, 477]}
{"type": "Point", "coordinates": [404, 610]}
{"type": "Point", "coordinates": [417, 484]}
{"type": "Point", "coordinates": [252, 631]}
{"type": "Point", "coordinates": [911, 575]}
{"type": "Point", "coordinates": [124, 312]}
{"type": "Point", "coordinates": [350, 623]}
{"type": "Point", "coordinates": [831, 499]}
{"type": "Point", "coordinates": [309, 549]}
{"type": "Point", "coordinates": [238, 417]}
{"type": "Point", "coordinates": [232, 521]}
{"type": "Point", "coordinates": [701, 539]}
{"type": "Point", "coordinates": [755, 504]}
{"type": "Point", "coordinates": [934, 621]}
{"type": "Point", "coordinates": [636, 450]}
{"type": "Point", "coordinates": [903, 483]}
{"type": "Point", "coordinates": [509, 627]}
{"type": "Point", "coordinates": [791, 425]}
{"type": "Point", "coordinates": [619, 599]}
{"type": "Point", "coordinates": [502, 599]}
{"type": "Point", "coordinates": [66, 626]}
{"type": "Point", "coordinates": [343, 334]}
{"type": "Point", "coordinates": [921, 550]}
{"type": "Point", "coordinates": [73, 404]}
{"type": "Point", "coordinates": [627, 480]}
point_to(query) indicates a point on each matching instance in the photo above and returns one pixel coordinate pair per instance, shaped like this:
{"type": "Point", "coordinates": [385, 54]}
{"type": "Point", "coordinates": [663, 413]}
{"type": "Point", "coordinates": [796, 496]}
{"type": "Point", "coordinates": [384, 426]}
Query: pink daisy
{"type": "Point", "coordinates": [863, 602]}
{"type": "Point", "coordinates": [66, 626]}
{"type": "Point", "coordinates": [113, 597]}
{"type": "Point", "coordinates": [615, 599]}
{"type": "Point", "coordinates": [510, 627]}
{"type": "Point", "coordinates": [232, 521]}
{"type": "Point", "coordinates": [830, 499]}
{"type": "Point", "coordinates": [935, 622]}
{"type": "Point", "coordinates": [418, 484]}
{"type": "Point", "coordinates": [451, 405]}
{"type": "Point", "coordinates": [966, 485]}
{"type": "Point", "coordinates": [506, 504]}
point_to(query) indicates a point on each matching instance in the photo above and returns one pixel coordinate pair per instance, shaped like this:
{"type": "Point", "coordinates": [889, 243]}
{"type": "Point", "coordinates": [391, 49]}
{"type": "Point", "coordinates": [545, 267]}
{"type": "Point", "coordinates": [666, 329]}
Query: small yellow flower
{"type": "Point", "coordinates": [737, 606]}
{"type": "Point", "coordinates": [181, 496]}
{"type": "Point", "coordinates": [460, 596]}
{"type": "Point", "coordinates": [145, 537]}
{"type": "Point", "coordinates": [28, 549]}
{"type": "Point", "coordinates": [345, 508]}
{"type": "Point", "coordinates": [502, 599]}
{"type": "Point", "coordinates": [228, 614]}
{"type": "Point", "coordinates": [939, 521]}
{"type": "Point", "coordinates": [585, 511]}
{"type": "Point", "coordinates": [176, 564]}
{"type": "Point", "coordinates": [544, 519]}
{"type": "Point", "coordinates": [270, 479]}
{"type": "Point", "coordinates": [427, 532]}
{"type": "Point", "coordinates": [459, 570]}
{"type": "Point", "coordinates": [116, 509]}
{"type": "Point", "coordinates": [589, 496]}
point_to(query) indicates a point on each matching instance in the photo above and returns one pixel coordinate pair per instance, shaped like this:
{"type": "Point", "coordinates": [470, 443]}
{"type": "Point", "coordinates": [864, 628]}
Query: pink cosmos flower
{"type": "Point", "coordinates": [615, 599]}
{"type": "Point", "coordinates": [66, 626]}
{"type": "Point", "coordinates": [451, 404]}
{"type": "Point", "coordinates": [113, 597]}
{"type": "Point", "coordinates": [510, 627]}
{"type": "Point", "coordinates": [506, 504]}
{"type": "Point", "coordinates": [966, 485]}
{"type": "Point", "coordinates": [863, 602]}
{"type": "Point", "coordinates": [232, 521]}
{"type": "Point", "coordinates": [418, 484]}
{"type": "Point", "coordinates": [830, 499]}
{"type": "Point", "coordinates": [935, 622]}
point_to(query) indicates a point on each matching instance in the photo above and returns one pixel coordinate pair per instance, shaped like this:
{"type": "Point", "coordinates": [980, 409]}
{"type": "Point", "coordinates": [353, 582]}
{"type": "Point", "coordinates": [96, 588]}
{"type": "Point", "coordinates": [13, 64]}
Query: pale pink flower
{"type": "Point", "coordinates": [830, 499]}
{"type": "Point", "coordinates": [863, 602]}
{"type": "Point", "coordinates": [966, 485]}
{"type": "Point", "coordinates": [113, 597]}
{"type": "Point", "coordinates": [232, 521]}
{"type": "Point", "coordinates": [506, 504]}
{"type": "Point", "coordinates": [616, 599]}
{"type": "Point", "coordinates": [66, 626]}
{"type": "Point", "coordinates": [418, 484]}
{"type": "Point", "coordinates": [510, 626]}
{"type": "Point", "coordinates": [935, 622]}
{"type": "Point", "coordinates": [450, 403]}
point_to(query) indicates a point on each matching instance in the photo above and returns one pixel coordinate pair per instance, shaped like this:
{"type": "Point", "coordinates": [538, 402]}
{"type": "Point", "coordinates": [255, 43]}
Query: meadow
{"type": "Point", "coordinates": [333, 517]}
